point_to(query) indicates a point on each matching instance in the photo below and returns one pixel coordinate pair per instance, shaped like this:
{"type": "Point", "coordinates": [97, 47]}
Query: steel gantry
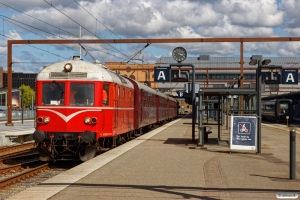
{"type": "Point", "coordinates": [10, 43]}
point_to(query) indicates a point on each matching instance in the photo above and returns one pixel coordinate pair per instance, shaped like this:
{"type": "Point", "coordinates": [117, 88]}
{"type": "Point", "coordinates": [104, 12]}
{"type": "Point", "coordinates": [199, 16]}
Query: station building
{"type": "Point", "coordinates": [211, 72]}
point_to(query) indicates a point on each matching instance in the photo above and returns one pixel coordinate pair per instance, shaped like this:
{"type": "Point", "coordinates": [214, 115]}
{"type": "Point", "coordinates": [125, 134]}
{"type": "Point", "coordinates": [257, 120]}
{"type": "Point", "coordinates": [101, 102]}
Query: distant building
{"type": "Point", "coordinates": [1, 77]}
{"type": "Point", "coordinates": [213, 74]}
{"type": "Point", "coordinates": [143, 73]}
{"type": "Point", "coordinates": [19, 78]}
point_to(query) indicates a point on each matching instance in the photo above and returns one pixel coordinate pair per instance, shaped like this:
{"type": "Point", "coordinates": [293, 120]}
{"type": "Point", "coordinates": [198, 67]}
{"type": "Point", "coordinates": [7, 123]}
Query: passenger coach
{"type": "Point", "coordinates": [83, 108]}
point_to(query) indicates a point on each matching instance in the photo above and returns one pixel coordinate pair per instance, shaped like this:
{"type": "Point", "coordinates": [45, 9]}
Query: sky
{"type": "Point", "coordinates": [129, 19]}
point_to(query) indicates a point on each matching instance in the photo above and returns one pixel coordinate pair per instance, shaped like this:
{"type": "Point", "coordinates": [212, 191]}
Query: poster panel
{"type": "Point", "coordinates": [243, 133]}
{"type": "Point", "coordinates": [16, 99]}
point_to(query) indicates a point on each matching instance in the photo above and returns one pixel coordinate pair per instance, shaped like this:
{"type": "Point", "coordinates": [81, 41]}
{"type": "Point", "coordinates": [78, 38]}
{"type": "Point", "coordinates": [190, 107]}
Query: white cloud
{"type": "Point", "coordinates": [290, 49]}
{"type": "Point", "coordinates": [160, 19]}
{"type": "Point", "coordinates": [13, 35]}
{"type": "Point", "coordinates": [254, 13]}
{"type": "Point", "coordinates": [291, 9]}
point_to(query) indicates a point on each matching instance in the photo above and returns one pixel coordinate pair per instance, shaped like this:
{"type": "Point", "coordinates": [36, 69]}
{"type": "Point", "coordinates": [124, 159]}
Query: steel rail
{"type": "Point", "coordinates": [24, 175]}
{"type": "Point", "coordinates": [8, 149]}
{"type": "Point", "coordinates": [17, 166]}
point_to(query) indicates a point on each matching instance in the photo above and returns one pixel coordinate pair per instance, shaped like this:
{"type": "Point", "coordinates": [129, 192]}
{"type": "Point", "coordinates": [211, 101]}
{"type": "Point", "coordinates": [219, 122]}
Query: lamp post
{"type": "Point", "coordinates": [31, 112]}
{"type": "Point", "coordinates": [22, 102]}
{"type": "Point", "coordinates": [193, 95]}
{"type": "Point", "coordinates": [293, 151]}
{"type": "Point", "coordinates": [257, 59]}
{"type": "Point", "coordinates": [31, 101]}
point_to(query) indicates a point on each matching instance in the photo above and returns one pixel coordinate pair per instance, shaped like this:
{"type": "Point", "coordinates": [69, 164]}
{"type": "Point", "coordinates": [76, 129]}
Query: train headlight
{"type": "Point", "coordinates": [87, 120]}
{"type": "Point", "coordinates": [68, 67]}
{"type": "Point", "coordinates": [39, 120]}
{"type": "Point", "coordinates": [46, 120]}
{"type": "Point", "coordinates": [94, 120]}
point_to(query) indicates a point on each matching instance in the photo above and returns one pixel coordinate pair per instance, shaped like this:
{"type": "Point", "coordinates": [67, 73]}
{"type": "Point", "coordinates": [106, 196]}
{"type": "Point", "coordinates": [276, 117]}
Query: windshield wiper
{"type": "Point", "coordinates": [57, 85]}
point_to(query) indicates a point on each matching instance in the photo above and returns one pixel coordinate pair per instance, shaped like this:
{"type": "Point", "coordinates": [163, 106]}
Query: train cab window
{"type": "Point", "coordinates": [105, 95]}
{"type": "Point", "coordinates": [81, 94]}
{"type": "Point", "coordinates": [53, 93]}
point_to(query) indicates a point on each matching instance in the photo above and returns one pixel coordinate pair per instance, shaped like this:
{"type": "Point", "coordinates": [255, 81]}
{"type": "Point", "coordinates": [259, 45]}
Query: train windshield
{"type": "Point", "coordinates": [284, 107]}
{"type": "Point", "coordinates": [53, 93]}
{"type": "Point", "coordinates": [82, 94]}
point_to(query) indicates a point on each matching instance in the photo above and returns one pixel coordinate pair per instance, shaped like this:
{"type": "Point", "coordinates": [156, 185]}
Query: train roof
{"type": "Point", "coordinates": [292, 95]}
{"type": "Point", "coordinates": [81, 70]}
{"type": "Point", "coordinates": [150, 90]}
{"type": "Point", "coordinates": [171, 98]}
{"type": "Point", "coordinates": [142, 86]}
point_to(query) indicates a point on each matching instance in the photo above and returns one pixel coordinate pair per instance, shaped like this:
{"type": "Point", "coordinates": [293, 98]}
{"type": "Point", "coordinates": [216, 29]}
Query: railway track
{"type": "Point", "coordinates": [27, 178]}
{"type": "Point", "coordinates": [23, 175]}
{"type": "Point", "coordinates": [15, 178]}
{"type": "Point", "coordinates": [9, 151]}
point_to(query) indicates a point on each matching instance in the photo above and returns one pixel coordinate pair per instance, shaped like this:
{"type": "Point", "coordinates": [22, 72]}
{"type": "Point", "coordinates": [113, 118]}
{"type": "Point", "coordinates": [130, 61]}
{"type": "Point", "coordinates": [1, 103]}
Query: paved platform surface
{"type": "Point", "coordinates": [166, 164]}
{"type": "Point", "coordinates": [17, 133]}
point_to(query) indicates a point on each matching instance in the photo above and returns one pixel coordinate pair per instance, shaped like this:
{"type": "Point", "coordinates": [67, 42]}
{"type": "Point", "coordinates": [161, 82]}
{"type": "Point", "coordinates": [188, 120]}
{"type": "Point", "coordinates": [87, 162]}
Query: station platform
{"type": "Point", "coordinates": [166, 164]}
{"type": "Point", "coordinates": [18, 133]}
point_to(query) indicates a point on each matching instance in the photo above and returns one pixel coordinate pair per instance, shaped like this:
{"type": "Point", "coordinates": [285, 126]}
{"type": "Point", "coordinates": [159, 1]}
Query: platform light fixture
{"type": "Point", "coordinates": [266, 62]}
{"type": "Point", "coordinates": [257, 59]}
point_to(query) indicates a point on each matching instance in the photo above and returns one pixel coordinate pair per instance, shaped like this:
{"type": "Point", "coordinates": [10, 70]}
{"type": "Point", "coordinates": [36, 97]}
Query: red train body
{"type": "Point", "coordinates": [83, 108]}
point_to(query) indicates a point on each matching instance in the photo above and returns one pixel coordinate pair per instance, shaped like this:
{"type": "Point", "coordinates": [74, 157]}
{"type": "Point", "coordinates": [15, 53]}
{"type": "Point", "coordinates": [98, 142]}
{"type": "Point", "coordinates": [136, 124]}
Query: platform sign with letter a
{"type": "Point", "coordinates": [290, 76]}
{"type": "Point", "coordinates": [162, 74]}
{"type": "Point", "coordinates": [243, 132]}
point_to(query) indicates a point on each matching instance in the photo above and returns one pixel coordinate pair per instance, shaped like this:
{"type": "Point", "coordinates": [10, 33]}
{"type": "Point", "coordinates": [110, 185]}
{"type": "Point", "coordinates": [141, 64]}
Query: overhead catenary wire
{"type": "Point", "coordinates": [87, 51]}
{"type": "Point", "coordinates": [1, 16]}
{"type": "Point", "coordinates": [52, 33]}
{"type": "Point", "coordinates": [61, 37]}
{"type": "Point", "coordinates": [97, 20]}
{"type": "Point", "coordinates": [138, 52]}
{"type": "Point", "coordinates": [36, 47]}
{"type": "Point", "coordinates": [83, 27]}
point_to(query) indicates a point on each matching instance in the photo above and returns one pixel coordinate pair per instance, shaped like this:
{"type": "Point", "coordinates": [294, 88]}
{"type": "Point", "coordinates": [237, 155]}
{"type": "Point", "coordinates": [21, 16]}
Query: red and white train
{"type": "Point", "coordinates": [83, 108]}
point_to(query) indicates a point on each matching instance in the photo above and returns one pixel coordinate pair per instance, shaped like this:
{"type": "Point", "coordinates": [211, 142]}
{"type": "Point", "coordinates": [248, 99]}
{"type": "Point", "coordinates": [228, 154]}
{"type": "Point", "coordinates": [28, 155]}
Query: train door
{"type": "Point", "coordinates": [116, 106]}
{"type": "Point", "coordinates": [142, 104]}
{"type": "Point", "coordinates": [107, 114]}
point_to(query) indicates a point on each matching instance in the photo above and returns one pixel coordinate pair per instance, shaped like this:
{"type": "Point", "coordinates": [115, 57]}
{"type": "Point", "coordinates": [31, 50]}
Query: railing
{"type": "Point", "coordinates": [17, 114]}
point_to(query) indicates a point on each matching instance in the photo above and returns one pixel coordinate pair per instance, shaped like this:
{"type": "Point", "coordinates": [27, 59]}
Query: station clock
{"type": "Point", "coordinates": [179, 54]}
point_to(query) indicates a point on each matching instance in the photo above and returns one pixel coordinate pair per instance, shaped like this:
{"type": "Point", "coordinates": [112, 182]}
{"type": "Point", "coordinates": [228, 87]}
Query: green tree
{"type": "Point", "coordinates": [28, 95]}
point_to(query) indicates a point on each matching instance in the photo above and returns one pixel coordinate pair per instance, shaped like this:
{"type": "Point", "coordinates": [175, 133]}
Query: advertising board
{"type": "Point", "coordinates": [243, 133]}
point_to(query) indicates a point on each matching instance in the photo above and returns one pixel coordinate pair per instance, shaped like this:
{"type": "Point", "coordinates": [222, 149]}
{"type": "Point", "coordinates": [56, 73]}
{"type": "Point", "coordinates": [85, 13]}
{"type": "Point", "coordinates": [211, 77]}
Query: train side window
{"type": "Point", "coordinates": [105, 95]}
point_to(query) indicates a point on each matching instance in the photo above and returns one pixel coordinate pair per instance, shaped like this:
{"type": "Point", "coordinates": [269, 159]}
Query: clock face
{"type": "Point", "coordinates": [179, 54]}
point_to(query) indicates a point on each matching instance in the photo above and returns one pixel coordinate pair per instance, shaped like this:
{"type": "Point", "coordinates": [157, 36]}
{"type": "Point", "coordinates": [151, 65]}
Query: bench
{"type": "Point", "coordinates": [206, 132]}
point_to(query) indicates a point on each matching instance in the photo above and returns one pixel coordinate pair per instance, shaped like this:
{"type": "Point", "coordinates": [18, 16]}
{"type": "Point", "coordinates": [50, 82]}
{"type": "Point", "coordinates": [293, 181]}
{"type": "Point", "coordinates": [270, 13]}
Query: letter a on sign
{"type": "Point", "coordinates": [162, 74]}
{"type": "Point", "coordinates": [290, 78]}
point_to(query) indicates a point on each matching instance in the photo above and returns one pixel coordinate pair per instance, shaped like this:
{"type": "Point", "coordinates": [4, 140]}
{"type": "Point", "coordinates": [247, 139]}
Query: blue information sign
{"type": "Point", "coordinates": [180, 93]}
{"type": "Point", "coordinates": [161, 74]}
{"type": "Point", "coordinates": [243, 132]}
{"type": "Point", "coordinates": [289, 76]}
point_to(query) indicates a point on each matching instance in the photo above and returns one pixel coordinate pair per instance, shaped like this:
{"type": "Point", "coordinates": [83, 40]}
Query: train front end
{"type": "Point", "coordinates": [70, 112]}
